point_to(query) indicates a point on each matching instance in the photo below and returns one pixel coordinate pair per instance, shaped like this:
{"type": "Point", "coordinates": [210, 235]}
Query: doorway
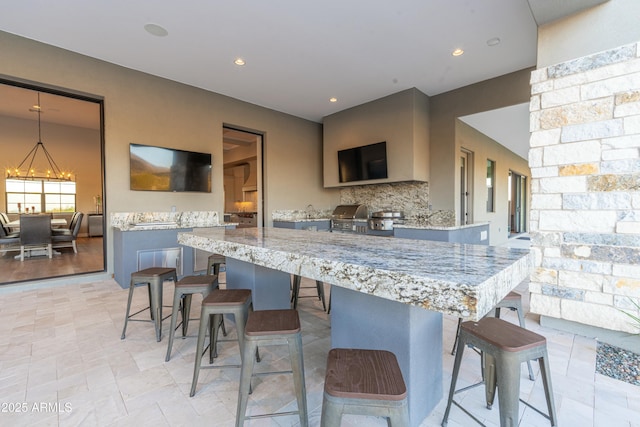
{"type": "Point", "coordinates": [242, 158]}
{"type": "Point", "coordinates": [466, 186]}
{"type": "Point", "coordinates": [69, 127]}
{"type": "Point", "coordinates": [517, 203]}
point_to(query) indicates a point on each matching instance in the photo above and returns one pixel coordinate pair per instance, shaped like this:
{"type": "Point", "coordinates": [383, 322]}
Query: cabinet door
{"type": "Point", "coordinates": [165, 257]}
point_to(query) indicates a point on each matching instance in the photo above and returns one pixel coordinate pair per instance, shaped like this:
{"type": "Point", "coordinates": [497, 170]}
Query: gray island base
{"type": "Point", "coordinates": [387, 294]}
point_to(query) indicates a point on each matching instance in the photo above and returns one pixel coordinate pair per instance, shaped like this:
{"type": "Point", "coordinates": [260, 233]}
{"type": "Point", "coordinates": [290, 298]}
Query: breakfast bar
{"type": "Point", "coordinates": [387, 293]}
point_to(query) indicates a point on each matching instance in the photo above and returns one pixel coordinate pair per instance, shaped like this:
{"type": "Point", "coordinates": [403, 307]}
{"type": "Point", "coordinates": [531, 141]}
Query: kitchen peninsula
{"type": "Point", "coordinates": [385, 296]}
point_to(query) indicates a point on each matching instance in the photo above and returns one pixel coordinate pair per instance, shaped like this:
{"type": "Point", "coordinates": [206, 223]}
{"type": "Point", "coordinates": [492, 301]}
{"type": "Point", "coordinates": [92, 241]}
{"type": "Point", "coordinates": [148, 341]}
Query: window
{"type": "Point", "coordinates": [33, 196]}
{"type": "Point", "coordinates": [491, 177]}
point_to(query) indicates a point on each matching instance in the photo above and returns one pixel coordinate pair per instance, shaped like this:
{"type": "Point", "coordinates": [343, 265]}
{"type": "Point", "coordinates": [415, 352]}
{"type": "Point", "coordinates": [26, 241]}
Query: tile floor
{"type": "Point", "coordinates": [62, 363]}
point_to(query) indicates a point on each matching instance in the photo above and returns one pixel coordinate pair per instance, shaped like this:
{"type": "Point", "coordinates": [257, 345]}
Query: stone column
{"type": "Point", "coordinates": [585, 189]}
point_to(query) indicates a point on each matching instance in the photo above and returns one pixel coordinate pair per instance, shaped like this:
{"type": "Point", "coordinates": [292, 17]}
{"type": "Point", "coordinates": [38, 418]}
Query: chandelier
{"type": "Point", "coordinates": [52, 173]}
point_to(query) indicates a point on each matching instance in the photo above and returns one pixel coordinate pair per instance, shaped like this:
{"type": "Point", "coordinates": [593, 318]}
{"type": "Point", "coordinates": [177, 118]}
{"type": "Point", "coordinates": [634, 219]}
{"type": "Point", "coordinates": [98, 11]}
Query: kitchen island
{"type": "Point", "coordinates": [387, 294]}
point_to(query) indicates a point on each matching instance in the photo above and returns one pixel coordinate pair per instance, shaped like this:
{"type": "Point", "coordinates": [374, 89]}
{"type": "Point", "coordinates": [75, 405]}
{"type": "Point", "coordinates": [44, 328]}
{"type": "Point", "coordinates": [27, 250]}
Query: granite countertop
{"type": "Point", "coordinates": [424, 226]}
{"type": "Point", "coordinates": [301, 219]}
{"type": "Point", "coordinates": [140, 221]}
{"type": "Point", "coordinates": [463, 280]}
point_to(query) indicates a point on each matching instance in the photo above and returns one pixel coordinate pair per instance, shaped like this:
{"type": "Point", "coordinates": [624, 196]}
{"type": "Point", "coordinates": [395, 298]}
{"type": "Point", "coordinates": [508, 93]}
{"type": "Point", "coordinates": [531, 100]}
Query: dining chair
{"type": "Point", "coordinates": [67, 237]}
{"type": "Point", "coordinates": [4, 220]}
{"type": "Point", "coordinates": [8, 242]}
{"type": "Point", "coordinates": [35, 233]}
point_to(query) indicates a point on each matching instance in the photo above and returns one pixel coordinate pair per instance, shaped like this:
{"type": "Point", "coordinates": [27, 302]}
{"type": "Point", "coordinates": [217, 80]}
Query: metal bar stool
{"type": "Point", "coordinates": [505, 347]}
{"type": "Point", "coordinates": [154, 279]}
{"type": "Point", "coordinates": [213, 264]}
{"type": "Point", "coordinates": [217, 303]}
{"type": "Point", "coordinates": [364, 382]}
{"type": "Point", "coordinates": [295, 292]}
{"type": "Point", "coordinates": [272, 327]}
{"type": "Point", "coordinates": [513, 301]}
{"type": "Point", "coordinates": [184, 289]}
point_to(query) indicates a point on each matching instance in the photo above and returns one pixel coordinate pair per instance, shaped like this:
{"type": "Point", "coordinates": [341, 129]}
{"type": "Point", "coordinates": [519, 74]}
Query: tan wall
{"type": "Point", "coordinates": [148, 110]}
{"type": "Point", "coordinates": [504, 91]}
{"type": "Point", "coordinates": [603, 27]}
{"type": "Point", "coordinates": [484, 148]}
{"type": "Point", "coordinates": [400, 119]}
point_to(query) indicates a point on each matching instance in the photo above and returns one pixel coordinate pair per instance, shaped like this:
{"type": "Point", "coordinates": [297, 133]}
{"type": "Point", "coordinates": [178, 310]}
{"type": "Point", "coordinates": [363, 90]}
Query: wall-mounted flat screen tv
{"type": "Point", "coordinates": [363, 163]}
{"type": "Point", "coordinates": [168, 169]}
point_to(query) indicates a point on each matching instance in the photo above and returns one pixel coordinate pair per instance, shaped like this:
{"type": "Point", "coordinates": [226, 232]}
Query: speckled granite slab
{"type": "Point", "coordinates": [130, 221]}
{"type": "Point", "coordinates": [301, 215]}
{"type": "Point", "coordinates": [464, 280]}
{"type": "Point", "coordinates": [423, 225]}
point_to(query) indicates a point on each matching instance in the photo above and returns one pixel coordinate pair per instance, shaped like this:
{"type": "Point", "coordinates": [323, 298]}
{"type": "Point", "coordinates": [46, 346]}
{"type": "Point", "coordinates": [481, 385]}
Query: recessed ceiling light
{"type": "Point", "coordinates": [239, 61]}
{"type": "Point", "coordinates": [155, 30]}
{"type": "Point", "coordinates": [494, 41]}
{"type": "Point", "coordinates": [333, 99]}
{"type": "Point", "coordinates": [457, 52]}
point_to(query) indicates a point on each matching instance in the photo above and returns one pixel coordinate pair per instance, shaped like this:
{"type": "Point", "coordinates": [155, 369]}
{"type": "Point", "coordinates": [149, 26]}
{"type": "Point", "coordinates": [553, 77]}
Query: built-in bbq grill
{"type": "Point", "coordinates": [385, 220]}
{"type": "Point", "coordinates": [350, 218]}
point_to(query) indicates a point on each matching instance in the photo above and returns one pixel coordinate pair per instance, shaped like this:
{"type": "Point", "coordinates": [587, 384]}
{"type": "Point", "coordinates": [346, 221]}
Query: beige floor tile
{"type": "Point", "coordinates": [62, 346]}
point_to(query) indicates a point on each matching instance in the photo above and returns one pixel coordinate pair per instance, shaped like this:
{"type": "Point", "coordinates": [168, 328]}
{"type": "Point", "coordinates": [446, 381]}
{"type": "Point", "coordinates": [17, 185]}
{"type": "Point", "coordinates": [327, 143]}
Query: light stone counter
{"type": "Point", "coordinates": [423, 225]}
{"type": "Point", "coordinates": [136, 221]}
{"type": "Point", "coordinates": [386, 293]}
{"type": "Point", "coordinates": [463, 280]}
{"type": "Point", "coordinates": [302, 219]}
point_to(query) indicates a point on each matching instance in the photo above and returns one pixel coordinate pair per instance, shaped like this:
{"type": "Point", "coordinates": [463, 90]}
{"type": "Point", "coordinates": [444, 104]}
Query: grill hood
{"type": "Point", "coordinates": [350, 212]}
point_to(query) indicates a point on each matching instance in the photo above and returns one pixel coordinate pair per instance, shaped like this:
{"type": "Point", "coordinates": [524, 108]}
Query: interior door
{"type": "Point", "coordinates": [518, 202]}
{"type": "Point", "coordinates": [465, 187]}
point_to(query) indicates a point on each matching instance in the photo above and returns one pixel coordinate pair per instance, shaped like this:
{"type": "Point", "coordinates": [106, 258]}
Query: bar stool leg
{"type": "Point", "coordinates": [297, 366]}
{"type": "Point", "coordinates": [532, 377]}
{"type": "Point", "coordinates": [126, 316]}
{"type": "Point", "coordinates": [320, 289]}
{"type": "Point", "coordinates": [156, 306]}
{"type": "Point", "coordinates": [186, 311]}
{"type": "Point", "coordinates": [455, 342]}
{"type": "Point", "coordinates": [177, 299]}
{"type": "Point", "coordinates": [245, 381]}
{"type": "Point", "coordinates": [508, 390]}
{"type": "Point", "coordinates": [454, 379]}
{"type": "Point", "coordinates": [489, 377]}
{"type": "Point", "coordinates": [202, 332]}
{"type": "Point", "coordinates": [545, 372]}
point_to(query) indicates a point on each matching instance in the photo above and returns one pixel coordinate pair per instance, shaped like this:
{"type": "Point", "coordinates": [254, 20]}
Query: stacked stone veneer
{"type": "Point", "coordinates": [585, 189]}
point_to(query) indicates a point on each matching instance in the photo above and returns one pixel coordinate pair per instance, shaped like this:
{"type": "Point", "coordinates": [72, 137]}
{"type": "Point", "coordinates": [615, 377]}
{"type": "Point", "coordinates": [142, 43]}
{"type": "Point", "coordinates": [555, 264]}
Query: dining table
{"type": "Point", "coordinates": [386, 293]}
{"type": "Point", "coordinates": [55, 223]}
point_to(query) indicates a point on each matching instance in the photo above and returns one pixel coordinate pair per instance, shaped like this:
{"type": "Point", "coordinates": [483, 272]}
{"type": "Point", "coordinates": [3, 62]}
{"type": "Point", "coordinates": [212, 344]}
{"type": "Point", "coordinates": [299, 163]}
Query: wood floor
{"type": "Point", "coordinates": [89, 259]}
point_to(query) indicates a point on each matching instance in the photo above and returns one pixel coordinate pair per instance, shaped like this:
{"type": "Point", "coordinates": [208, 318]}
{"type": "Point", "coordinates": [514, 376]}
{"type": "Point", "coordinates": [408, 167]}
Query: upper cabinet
{"type": "Point", "coordinates": [401, 120]}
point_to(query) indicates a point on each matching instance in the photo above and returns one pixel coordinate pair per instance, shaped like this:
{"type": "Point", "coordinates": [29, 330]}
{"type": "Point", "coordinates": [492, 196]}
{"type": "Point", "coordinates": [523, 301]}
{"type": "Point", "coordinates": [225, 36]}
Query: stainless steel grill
{"type": "Point", "coordinates": [344, 218]}
{"type": "Point", "coordinates": [385, 220]}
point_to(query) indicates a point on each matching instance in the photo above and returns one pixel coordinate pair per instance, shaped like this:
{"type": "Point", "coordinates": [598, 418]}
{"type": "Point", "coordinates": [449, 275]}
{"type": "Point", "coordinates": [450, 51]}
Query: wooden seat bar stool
{"type": "Point", "coordinates": [505, 347]}
{"type": "Point", "coordinates": [364, 382]}
{"type": "Point", "coordinates": [220, 301]}
{"type": "Point", "coordinates": [295, 292]}
{"type": "Point", "coordinates": [182, 295]}
{"type": "Point", "coordinates": [154, 279]}
{"type": "Point", "coordinates": [273, 327]}
{"type": "Point", "coordinates": [214, 261]}
{"type": "Point", "coordinates": [513, 301]}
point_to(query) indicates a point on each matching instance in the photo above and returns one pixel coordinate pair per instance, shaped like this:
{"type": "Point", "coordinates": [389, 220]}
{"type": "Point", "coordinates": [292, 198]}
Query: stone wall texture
{"type": "Point", "coordinates": [585, 190]}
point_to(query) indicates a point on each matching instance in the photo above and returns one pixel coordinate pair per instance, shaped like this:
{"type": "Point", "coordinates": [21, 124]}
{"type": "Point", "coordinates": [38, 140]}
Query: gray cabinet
{"type": "Point", "coordinates": [156, 248]}
{"type": "Point", "coordinates": [473, 234]}
{"type": "Point", "coordinates": [317, 224]}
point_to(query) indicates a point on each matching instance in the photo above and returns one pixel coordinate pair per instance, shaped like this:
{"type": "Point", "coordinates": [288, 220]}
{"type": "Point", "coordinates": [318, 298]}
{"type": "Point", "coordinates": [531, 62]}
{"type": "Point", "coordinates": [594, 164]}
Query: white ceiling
{"type": "Point", "coordinates": [509, 126]}
{"type": "Point", "coordinates": [298, 54]}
